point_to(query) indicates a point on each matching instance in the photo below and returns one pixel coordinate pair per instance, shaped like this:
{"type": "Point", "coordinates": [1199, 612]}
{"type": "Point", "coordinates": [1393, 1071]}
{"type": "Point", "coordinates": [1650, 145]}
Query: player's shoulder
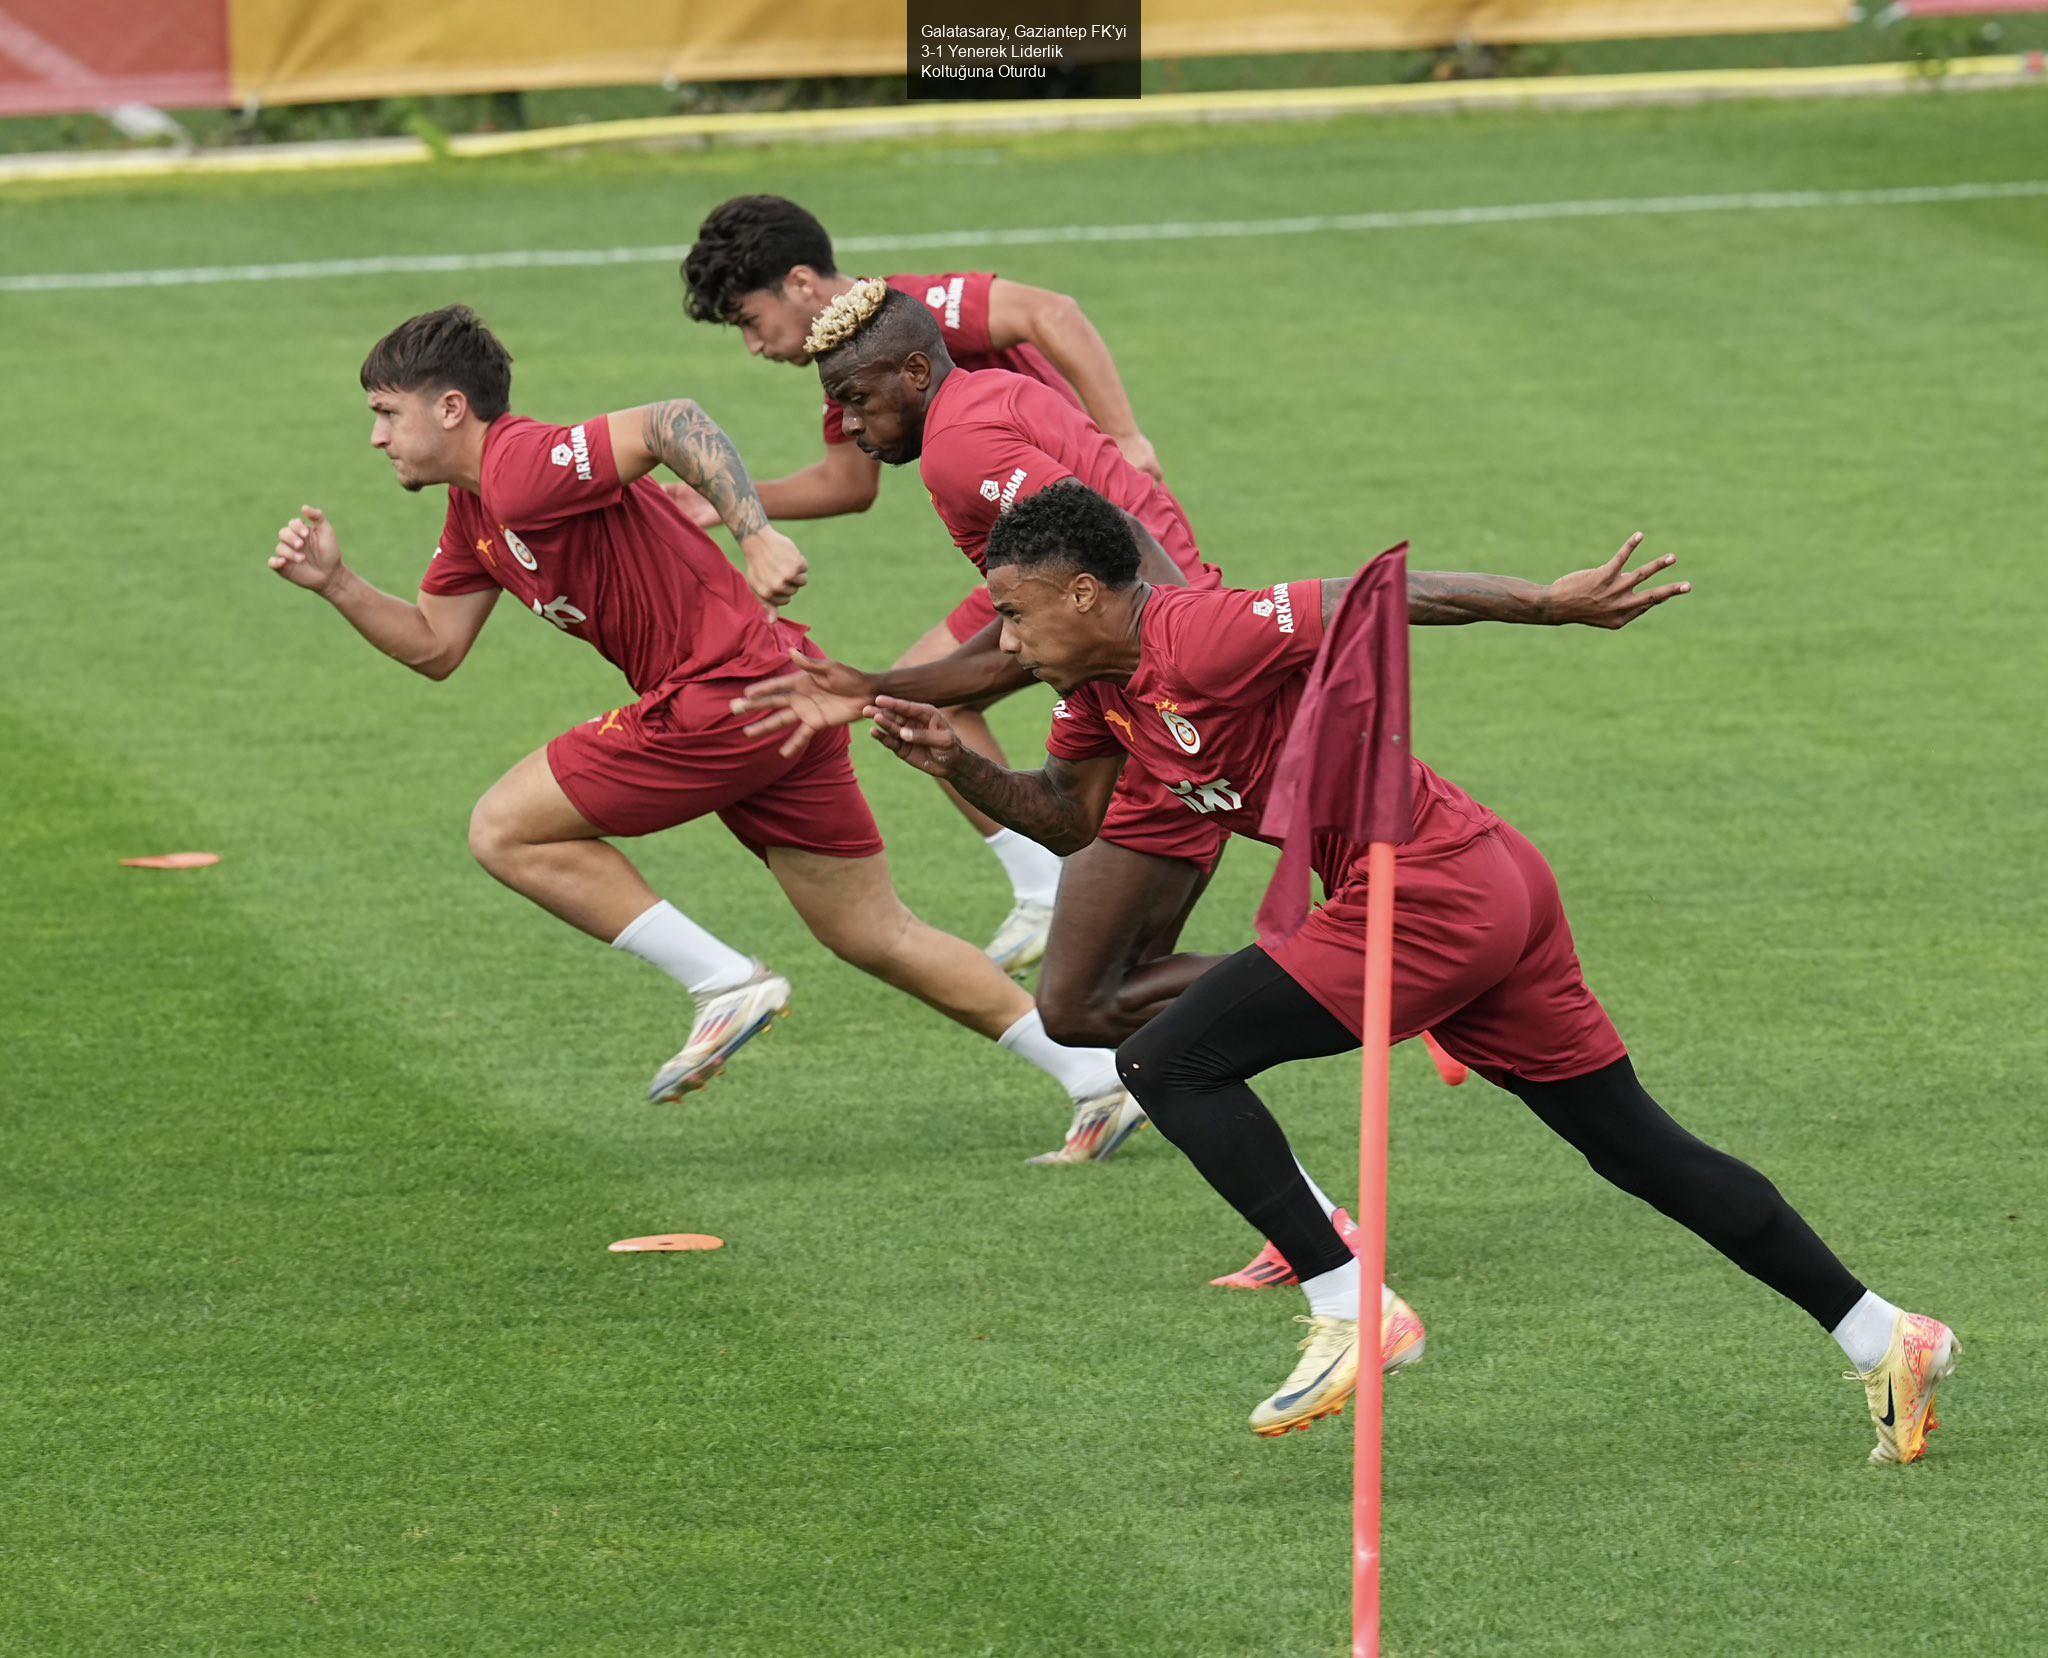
{"type": "Point", "coordinates": [522, 438]}
{"type": "Point", "coordinates": [1172, 608]}
{"type": "Point", "coordinates": [509, 445]}
{"type": "Point", "coordinates": [1001, 404]}
{"type": "Point", "coordinates": [1190, 619]}
{"type": "Point", "coordinates": [528, 463]}
{"type": "Point", "coordinates": [943, 292]}
{"type": "Point", "coordinates": [959, 418]}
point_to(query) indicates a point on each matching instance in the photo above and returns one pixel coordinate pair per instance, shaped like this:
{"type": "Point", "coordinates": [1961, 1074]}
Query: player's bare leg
{"type": "Point", "coordinates": [1118, 911]}
{"type": "Point", "coordinates": [1033, 871]}
{"type": "Point", "coordinates": [852, 908]}
{"type": "Point", "coordinates": [526, 832]}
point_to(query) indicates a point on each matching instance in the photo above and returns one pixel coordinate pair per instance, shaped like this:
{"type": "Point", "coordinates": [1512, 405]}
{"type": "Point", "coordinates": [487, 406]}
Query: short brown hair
{"type": "Point", "coordinates": [447, 350]}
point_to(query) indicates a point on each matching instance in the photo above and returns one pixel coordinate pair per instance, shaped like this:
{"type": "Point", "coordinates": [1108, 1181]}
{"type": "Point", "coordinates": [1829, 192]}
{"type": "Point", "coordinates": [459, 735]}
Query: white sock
{"type": "Point", "coordinates": [683, 950]}
{"type": "Point", "coordinates": [1082, 1072]}
{"type": "Point", "coordinates": [1386, 1299]}
{"type": "Point", "coordinates": [1866, 1334]}
{"type": "Point", "coordinates": [1322, 1197]}
{"type": "Point", "coordinates": [1333, 1294]}
{"type": "Point", "coordinates": [1034, 872]}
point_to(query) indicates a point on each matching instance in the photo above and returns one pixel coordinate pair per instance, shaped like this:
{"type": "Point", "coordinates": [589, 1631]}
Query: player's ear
{"type": "Point", "coordinates": [451, 407]}
{"type": "Point", "coordinates": [1083, 591]}
{"type": "Point", "coordinates": [917, 371]}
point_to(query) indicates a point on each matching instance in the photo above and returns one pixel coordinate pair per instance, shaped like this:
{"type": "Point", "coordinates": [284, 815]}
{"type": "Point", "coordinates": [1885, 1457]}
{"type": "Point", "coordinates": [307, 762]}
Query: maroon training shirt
{"type": "Point", "coordinates": [616, 565]}
{"type": "Point", "coordinates": [993, 438]}
{"type": "Point", "coordinates": [1219, 678]}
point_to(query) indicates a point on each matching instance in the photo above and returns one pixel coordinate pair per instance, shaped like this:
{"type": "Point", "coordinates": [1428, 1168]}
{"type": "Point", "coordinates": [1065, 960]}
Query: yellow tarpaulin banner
{"type": "Point", "coordinates": [1211, 28]}
{"type": "Point", "coordinates": [304, 51]}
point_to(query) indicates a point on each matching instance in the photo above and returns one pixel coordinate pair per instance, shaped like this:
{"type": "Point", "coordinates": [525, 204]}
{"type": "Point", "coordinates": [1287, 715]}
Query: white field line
{"type": "Point", "coordinates": [1182, 230]}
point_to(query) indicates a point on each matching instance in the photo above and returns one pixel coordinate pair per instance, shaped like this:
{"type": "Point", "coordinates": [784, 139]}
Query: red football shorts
{"type": "Point", "coordinates": [1483, 959]}
{"type": "Point", "coordinates": [1146, 816]}
{"type": "Point", "coordinates": [971, 615]}
{"type": "Point", "coordinates": [678, 755]}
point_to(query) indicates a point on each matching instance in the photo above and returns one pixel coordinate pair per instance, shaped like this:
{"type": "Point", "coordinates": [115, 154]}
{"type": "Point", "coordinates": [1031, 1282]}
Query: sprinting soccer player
{"type": "Point", "coordinates": [984, 442]}
{"type": "Point", "coordinates": [566, 520]}
{"type": "Point", "coordinates": [766, 266]}
{"type": "Point", "coordinates": [1199, 690]}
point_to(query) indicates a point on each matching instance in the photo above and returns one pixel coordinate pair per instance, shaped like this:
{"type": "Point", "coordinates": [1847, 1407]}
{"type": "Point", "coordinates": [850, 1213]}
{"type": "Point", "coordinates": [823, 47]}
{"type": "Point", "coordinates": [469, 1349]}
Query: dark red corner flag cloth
{"type": "Point", "coordinates": [1345, 766]}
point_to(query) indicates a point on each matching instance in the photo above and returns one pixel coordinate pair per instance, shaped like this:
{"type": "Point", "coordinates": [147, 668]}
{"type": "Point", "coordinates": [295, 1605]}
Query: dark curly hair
{"type": "Point", "coordinates": [747, 243]}
{"type": "Point", "coordinates": [1067, 524]}
{"type": "Point", "coordinates": [445, 350]}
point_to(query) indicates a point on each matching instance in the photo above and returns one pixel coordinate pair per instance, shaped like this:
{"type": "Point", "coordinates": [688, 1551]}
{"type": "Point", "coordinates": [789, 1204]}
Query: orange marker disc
{"type": "Point", "coordinates": [662, 1243]}
{"type": "Point", "coordinates": [174, 860]}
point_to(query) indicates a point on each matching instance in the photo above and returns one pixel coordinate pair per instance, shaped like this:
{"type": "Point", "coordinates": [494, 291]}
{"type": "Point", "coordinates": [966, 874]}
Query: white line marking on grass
{"type": "Point", "coordinates": [1180, 230]}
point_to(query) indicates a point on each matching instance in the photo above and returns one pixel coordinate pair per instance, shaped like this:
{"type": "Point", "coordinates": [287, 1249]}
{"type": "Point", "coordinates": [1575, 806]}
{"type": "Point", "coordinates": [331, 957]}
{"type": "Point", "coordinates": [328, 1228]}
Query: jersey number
{"type": "Point", "coordinates": [1218, 796]}
{"type": "Point", "coordinates": [559, 611]}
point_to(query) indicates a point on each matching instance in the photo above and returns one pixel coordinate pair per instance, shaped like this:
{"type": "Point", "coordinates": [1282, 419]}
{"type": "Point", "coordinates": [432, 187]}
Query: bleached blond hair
{"type": "Point", "coordinates": [847, 315]}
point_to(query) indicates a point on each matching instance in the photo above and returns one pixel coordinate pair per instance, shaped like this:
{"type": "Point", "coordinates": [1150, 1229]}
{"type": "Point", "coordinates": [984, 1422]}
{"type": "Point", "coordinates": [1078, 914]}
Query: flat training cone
{"type": "Point", "coordinates": [173, 860]}
{"type": "Point", "coordinates": [667, 1243]}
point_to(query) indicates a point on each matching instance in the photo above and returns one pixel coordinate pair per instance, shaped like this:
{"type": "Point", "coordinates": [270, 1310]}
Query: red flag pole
{"type": "Point", "coordinates": [1372, 1251]}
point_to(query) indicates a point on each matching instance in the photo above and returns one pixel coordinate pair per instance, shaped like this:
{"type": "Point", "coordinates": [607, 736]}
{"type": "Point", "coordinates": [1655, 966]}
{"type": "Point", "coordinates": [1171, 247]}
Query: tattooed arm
{"type": "Point", "coordinates": [1060, 806]}
{"type": "Point", "coordinates": [678, 434]}
{"type": "Point", "coordinates": [1608, 596]}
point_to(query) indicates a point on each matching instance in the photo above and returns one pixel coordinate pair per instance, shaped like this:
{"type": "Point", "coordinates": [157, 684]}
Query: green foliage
{"type": "Point", "coordinates": [313, 1345]}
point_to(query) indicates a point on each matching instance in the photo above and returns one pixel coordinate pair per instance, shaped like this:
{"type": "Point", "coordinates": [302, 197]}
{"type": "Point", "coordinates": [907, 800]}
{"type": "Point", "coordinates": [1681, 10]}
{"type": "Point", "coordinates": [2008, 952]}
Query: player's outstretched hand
{"type": "Point", "coordinates": [308, 551]}
{"type": "Point", "coordinates": [916, 733]}
{"type": "Point", "coordinates": [694, 507]}
{"type": "Point", "coordinates": [1137, 449]}
{"type": "Point", "coordinates": [820, 695]}
{"type": "Point", "coordinates": [775, 569]}
{"type": "Point", "coordinates": [1612, 596]}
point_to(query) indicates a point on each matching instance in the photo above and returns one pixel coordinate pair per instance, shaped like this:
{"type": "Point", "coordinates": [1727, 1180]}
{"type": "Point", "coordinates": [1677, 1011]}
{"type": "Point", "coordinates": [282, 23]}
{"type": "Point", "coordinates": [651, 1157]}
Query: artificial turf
{"type": "Point", "coordinates": [311, 1341]}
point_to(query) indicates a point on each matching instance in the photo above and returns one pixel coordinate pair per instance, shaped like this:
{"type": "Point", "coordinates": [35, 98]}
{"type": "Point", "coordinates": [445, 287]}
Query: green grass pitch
{"type": "Point", "coordinates": [310, 1342]}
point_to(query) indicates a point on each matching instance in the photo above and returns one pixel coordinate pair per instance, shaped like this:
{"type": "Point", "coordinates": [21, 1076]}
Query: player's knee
{"type": "Point", "coordinates": [867, 942]}
{"type": "Point", "coordinates": [491, 839]}
{"type": "Point", "coordinates": [1080, 1019]}
{"type": "Point", "coordinates": [1145, 1061]}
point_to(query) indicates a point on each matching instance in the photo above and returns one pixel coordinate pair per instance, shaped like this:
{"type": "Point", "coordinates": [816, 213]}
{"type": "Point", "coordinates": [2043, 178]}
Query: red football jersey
{"type": "Point", "coordinates": [1207, 713]}
{"type": "Point", "coordinates": [993, 438]}
{"type": "Point", "coordinates": [613, 564]}
{"type": "Point", "coordinates": [959, 303]}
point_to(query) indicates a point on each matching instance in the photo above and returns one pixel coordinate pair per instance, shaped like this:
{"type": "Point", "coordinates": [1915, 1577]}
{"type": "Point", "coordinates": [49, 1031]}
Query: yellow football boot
{"type": "Point", "coordinates": [1921, 1357]}
{"type": "Point", "coordinates": [1321, 1383]}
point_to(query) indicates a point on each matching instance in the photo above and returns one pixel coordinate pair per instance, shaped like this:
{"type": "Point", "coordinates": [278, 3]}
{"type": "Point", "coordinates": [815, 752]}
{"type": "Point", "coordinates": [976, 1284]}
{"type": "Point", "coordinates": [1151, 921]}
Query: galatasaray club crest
{"type": "Point", "coordinates": [519, 551]}
{"type": "Point", "coordinates": [1184, 732]}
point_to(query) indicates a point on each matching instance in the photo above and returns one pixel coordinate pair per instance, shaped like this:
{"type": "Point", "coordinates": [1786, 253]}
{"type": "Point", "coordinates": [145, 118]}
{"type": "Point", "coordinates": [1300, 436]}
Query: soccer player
{"type": "Point", "coordinates": [765, 266]}
{"type": "Point", "coordinates": [985, 441]}
{"type": "Point", "coordinates": [1198, 690]}
{"type": "Point", "coordinates": [566, 520]}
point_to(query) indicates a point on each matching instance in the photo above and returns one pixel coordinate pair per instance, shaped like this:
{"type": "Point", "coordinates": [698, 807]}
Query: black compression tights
{"type": "Point", "coordinates": [1188, 1069]}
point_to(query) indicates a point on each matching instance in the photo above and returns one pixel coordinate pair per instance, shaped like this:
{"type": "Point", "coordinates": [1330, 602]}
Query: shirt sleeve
{"type": "Point", "coordinates": [537, 474]}
{"type": "Point", "coordinates": [455, 566]}
{"type": "Point", "coordinates": [1249, 642]}
{"type": "Point", "coordinates": [1079, 732]}
{"type": "Point", "coordinates": [975, 472]}
{"type": "Point", "coordinates": [835, 425]}
{"type": "Point", "coordinates": [959, 302]}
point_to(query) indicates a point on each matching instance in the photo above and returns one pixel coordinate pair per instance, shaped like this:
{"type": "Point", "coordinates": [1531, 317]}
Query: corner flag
{"type": "Point", "coordinates": [1345, 770]}
{"type": "Point", "coordinates": [1345, 767]}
